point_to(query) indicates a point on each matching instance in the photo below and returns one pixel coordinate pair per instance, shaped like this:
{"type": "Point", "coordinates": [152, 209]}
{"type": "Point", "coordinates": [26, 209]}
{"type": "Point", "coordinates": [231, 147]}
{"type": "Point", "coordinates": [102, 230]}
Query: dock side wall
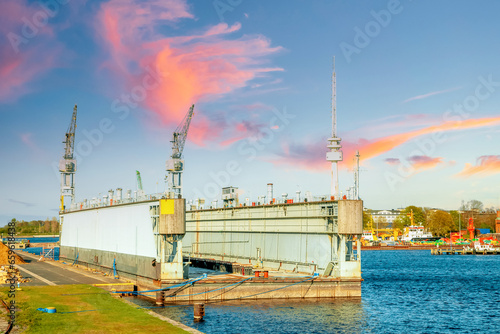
{"type": "Point", "coordinates": [127, 265]}
{"type": "Point", "coordinates": [122, 233]}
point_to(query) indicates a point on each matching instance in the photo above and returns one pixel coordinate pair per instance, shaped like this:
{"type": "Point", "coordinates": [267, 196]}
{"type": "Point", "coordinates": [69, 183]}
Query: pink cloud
{"type": "Point", "coordinates": [423, 162]}
{"type": "Point", "coordinates": [231, 141]}
{"type": "Point", "coordinates": [27, 139]}
{"type": "Point", "coordinates": [486, 165]}
{"type": "Point", "coordinates": [393, 124]}
{"type": "Point", "coordinates": [392, 161]}
{"type": "Point", "coordinates": [24, 56]}
{"type": "Point", "coordinates": [194, 68]}
{"type": "Point", "coordinates": [218, 131]}
{"type": "Point", "coordinates": [311, 155]}
{"type": "Point", "coordinates": [423, 96]}
{"type": "Point", "coordinates": [371, 148]}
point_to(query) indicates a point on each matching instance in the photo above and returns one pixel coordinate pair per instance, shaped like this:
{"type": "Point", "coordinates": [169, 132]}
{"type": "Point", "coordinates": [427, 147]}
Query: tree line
{"type": "Point", "coordinates": [440, 222]}
{"type": "Point", "coordinates": [47, 226]}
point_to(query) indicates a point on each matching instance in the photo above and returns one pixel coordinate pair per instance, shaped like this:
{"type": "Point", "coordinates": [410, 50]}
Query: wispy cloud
{"type": "Point", "coordinates": [311, 155]}
{"type": "Point", "coordinates": [24, 56]}
{"type": "Point", "coordinates": [257, 106]}
{"type": "Point", "coordinates": [26, 204]}
{"type": "Point", "coordinates": [423, 162]}
{"type": "Point", "coordinates": [200, 67]}
{"type": "Point", "coordinates": [486, 165]}
{"type": "Point", "coordinates": [222, 131]}
{"type": "Point", "coordinates": [393, 124]}
{"type": "Point", "coordinates": [418, 163]}
{"type": "Point", "coordinates": [392, 161]}
{"type": "Point", "coordinates": [27, 139]}
{"type": "Point", "coordinates": [423, 96]}
{"type": "Point", "coordinates": [375, 147]}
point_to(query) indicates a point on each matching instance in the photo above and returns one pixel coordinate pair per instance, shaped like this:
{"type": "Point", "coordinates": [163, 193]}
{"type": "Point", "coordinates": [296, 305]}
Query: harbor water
{"type": "Point", "coordinates": [34, 239]}
{"type": "Point", "coordinates": [404, 291]}
{"type": "Point", "coordinates": [48, 252]}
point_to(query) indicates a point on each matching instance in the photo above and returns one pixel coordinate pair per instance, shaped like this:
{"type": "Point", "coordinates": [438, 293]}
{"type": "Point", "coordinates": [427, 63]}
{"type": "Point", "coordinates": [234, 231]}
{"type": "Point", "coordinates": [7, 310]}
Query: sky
{"type": "Point", "coordinates": [418, 94]}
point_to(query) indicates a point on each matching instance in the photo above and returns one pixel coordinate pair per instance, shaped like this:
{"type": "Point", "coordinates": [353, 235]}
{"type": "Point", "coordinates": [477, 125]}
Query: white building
{"type": "Point", "coordinates": [386, 216]}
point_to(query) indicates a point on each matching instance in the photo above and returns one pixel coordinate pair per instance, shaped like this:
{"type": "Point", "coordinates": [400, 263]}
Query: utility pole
{"type": "Point", "coordinates": [356, 177]}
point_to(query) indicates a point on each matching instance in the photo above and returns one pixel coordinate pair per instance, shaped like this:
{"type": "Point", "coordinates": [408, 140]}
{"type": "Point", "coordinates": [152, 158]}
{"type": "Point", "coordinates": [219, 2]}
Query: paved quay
{"type": "Point", "coordinates": [42, 273]}
{"type": "Point", "coordinates": [58, 273]}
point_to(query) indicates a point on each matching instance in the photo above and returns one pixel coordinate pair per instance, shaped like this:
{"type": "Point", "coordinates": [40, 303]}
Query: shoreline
{"type": "Point", "coordinates": [419, 247]}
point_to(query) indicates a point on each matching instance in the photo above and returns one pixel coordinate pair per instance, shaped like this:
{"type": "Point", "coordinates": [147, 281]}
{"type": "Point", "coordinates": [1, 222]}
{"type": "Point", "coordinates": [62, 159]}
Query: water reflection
{"type": "Point", "coordinates": [290, 316]}
{"type": "Point", "coordinates": [403, 292]}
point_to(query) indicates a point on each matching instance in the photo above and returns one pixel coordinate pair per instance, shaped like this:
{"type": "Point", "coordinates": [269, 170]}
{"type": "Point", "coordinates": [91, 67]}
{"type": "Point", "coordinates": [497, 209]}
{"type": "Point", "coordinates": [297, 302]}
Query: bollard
{"type": "Point", "coordinates": [266, 274]}
{"type": "Point", "coordinates": [160, 298]}
{"type": "Point", "coordinates": [199, 312]}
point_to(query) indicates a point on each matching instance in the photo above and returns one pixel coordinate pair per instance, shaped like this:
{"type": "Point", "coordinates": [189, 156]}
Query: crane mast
{"type": "Point", "coordinates": [175, 165]}
{"type": "Point", "coordinates": [67, 165]}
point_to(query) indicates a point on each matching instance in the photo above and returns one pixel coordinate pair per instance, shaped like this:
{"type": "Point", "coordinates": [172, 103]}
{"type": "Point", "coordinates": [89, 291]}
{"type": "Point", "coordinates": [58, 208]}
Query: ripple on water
{"type": "Point", "coordinates": [403, 292]}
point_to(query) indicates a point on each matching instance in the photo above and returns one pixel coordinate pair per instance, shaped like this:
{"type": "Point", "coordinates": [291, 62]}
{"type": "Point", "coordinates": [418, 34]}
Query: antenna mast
{"type": "Point", "coordinates": [335, 155]}
{"type": "Point", "coordinates": [356, 177]}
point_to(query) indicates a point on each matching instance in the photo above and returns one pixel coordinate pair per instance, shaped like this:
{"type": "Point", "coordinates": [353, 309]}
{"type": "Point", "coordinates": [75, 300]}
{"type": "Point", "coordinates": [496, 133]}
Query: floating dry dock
{"type": "Point", "coordinates": [307, 248]}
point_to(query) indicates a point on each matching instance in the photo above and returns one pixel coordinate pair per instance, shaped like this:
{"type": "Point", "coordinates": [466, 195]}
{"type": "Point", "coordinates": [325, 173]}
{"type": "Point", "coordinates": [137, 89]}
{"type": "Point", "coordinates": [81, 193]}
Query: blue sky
{"type": "Point", "coordinates": [418, 90]}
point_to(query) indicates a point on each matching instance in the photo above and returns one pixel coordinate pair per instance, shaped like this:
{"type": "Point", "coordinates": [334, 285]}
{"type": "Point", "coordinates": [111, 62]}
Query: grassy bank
{"type": "Point", "coordinates": [111, 315]}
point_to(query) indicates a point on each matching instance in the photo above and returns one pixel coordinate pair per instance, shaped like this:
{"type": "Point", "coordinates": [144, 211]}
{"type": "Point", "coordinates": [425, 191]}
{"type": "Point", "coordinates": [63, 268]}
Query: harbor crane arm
{"type": "Point", "coordinates": [70, 137]}
{"type": "Point", "coordinates": [67, 165]}
{"type": "Point", "coordinates": [180, 135]}
{"type": "Point", "coordinates": [175, 165]}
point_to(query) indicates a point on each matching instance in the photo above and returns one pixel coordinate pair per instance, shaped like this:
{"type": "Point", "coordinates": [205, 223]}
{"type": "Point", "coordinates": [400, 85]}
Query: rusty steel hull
{"type": "Point", "coordinates": [225, 289]}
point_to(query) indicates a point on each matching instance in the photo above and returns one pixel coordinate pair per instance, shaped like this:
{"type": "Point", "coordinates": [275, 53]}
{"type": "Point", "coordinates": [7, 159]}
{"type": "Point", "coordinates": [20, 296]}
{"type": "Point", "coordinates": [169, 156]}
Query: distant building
{"type": "Point", "coordinates": [386, 216]}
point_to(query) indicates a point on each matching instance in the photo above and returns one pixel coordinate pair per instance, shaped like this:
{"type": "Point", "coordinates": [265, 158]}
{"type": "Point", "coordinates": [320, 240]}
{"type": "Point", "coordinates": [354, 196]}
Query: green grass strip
{"type": "Point", "coordinates": [112, 315]}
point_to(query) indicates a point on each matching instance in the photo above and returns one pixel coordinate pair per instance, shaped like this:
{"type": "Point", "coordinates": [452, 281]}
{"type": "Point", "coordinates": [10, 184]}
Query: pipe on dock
{"type": "Point", "coordinates": [269, 193]}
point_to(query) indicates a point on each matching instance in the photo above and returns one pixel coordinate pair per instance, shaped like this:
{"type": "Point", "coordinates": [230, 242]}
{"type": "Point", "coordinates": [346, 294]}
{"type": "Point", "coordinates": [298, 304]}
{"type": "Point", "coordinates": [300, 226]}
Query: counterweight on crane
{"type": "Point", "coordinates": [175, 165]}
{"type": "Point", "coordinates": [67, 165]}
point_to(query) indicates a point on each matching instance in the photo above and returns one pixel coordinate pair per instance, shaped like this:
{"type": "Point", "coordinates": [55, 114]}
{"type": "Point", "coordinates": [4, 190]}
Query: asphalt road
{"type": "Point", "coordinates": [56, 273]}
